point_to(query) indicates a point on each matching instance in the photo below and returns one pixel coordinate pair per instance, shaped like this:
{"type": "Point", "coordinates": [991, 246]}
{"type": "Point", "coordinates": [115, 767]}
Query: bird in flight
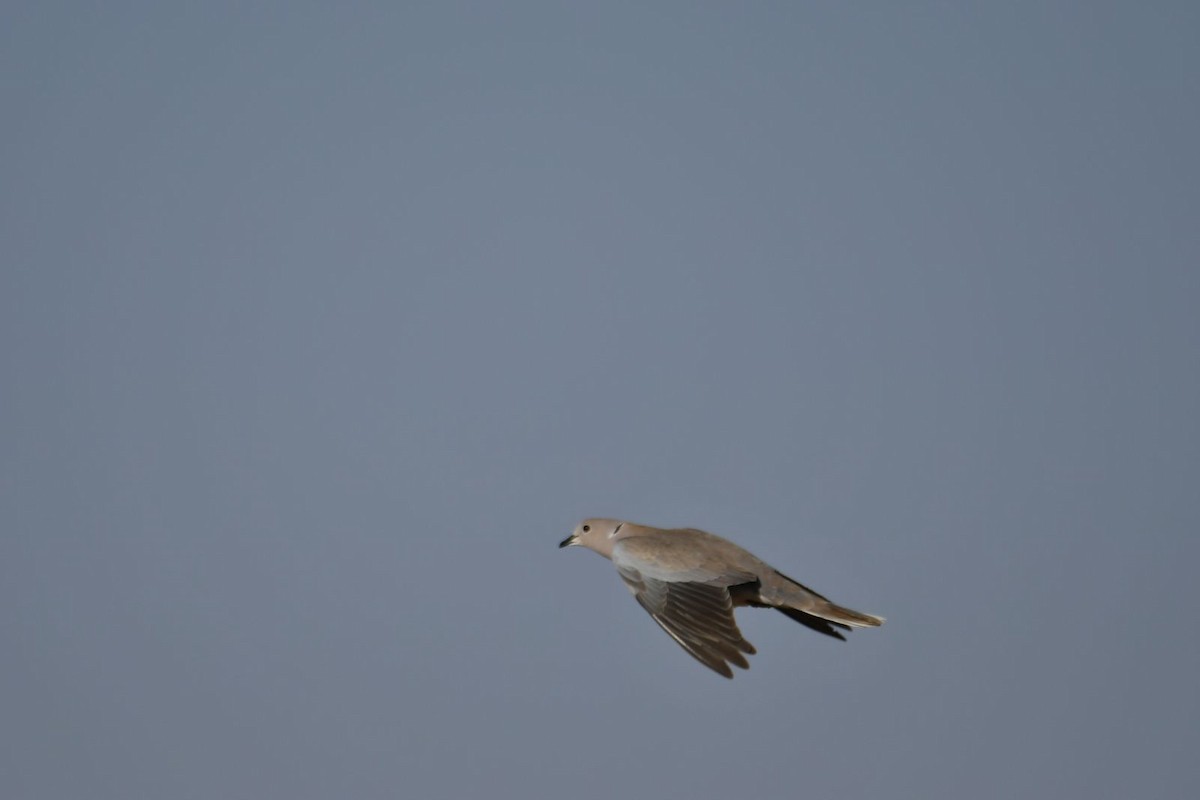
{"type": "Point", "coordinates": [690, 582]}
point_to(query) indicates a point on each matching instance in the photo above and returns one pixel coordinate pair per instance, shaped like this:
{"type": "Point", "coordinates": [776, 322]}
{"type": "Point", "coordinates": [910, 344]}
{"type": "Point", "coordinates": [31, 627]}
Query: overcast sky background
{"type": "Point", "coordinates": [321, 325]}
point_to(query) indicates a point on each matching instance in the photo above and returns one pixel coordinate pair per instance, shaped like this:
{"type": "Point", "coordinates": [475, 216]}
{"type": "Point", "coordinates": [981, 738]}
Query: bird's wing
{"type": "Point", "coordinates": [699, 616]}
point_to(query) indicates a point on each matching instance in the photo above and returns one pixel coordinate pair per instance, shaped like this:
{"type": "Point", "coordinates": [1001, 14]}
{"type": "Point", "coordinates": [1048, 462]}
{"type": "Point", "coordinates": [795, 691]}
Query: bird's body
{"type": "Point", "coordinates": [690, 581]}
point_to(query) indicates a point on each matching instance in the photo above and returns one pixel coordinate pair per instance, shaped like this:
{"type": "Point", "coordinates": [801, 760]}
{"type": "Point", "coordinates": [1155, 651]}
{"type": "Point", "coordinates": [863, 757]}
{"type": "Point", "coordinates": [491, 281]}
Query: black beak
{"type": "Point", "coordinates": [567, 542]}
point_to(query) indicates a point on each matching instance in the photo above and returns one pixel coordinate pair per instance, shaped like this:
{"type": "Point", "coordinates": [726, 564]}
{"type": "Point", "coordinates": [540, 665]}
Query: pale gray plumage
{"type": "Point", "coordinates": [690, 582]}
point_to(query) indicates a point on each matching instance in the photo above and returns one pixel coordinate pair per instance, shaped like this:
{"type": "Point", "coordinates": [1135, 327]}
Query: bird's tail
{"type": "Point", "coordinates": [813, 604]}
{"type": "Point", "coordinates": [846, 616]}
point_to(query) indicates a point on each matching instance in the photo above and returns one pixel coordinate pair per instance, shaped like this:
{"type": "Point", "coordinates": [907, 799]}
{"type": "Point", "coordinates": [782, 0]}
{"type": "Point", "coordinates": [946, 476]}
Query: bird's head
{"type": "Point", "coordinates": [596, 534]}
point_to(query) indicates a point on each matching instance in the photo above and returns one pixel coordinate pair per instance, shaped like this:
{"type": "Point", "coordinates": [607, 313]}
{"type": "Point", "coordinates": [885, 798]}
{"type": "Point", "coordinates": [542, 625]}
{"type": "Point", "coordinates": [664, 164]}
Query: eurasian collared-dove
{"type": "Point", "coordinates": [690, 582]}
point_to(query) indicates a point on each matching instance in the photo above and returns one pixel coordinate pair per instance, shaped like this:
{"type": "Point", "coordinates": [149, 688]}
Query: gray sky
{"type": "Point", "coordinates": [320, 327]}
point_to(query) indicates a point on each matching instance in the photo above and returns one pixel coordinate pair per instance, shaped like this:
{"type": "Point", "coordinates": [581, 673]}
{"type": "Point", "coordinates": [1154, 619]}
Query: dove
{"type": "Point", "coordinates": [690, 581]}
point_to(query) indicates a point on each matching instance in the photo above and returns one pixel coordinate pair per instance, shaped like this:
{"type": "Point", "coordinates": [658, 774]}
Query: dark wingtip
{"type": "Point", "coordinates": [815, 623]}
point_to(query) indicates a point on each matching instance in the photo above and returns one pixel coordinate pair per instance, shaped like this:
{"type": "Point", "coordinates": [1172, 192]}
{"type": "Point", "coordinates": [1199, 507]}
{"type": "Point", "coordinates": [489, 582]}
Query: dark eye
{"type": "Point", "coordinates": [587, 528]}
